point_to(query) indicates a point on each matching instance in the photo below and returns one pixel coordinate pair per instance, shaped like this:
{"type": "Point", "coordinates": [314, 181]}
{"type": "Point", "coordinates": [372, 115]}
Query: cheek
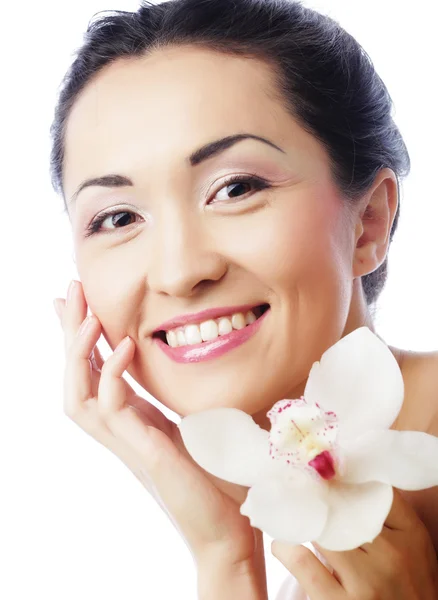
{"type": "Point", "coordinates": [109, 293]}
{"type": "Point", "coordinates": [301, 240]}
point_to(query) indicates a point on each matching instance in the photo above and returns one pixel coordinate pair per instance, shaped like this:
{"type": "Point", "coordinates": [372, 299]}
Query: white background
{"type": "Point", "coordinates": [74, 522]}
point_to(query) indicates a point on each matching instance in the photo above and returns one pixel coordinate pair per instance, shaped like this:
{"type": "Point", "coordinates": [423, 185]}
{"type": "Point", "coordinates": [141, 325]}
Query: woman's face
{"type": "Point", "coordinates": [190, 242]}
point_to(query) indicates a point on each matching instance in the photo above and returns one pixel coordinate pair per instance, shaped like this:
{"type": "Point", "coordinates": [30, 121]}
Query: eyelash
{"type": "Point", "coordinates": [258, 183]}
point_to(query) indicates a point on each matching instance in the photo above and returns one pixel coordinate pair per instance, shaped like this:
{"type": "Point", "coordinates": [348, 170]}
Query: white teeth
{"type": "Point", "coordinates": [238, 321]}
{"type": "Point", "coordinates": [181, 338]}
{"type": "Point", "coordinates": [172, 339]}
{"type": "Point", "coordinates": [224, 326]}
{"type": "Point", "coordinates": [208, 330]}
{"type": "Point", "coordinates": [193, 335]}
{"type": "Point", "coordinates": [250, 317]}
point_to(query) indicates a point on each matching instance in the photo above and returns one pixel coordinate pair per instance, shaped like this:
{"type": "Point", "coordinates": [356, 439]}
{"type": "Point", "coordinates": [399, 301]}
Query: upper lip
{"type": "Point", "coordinates": [204, 315]}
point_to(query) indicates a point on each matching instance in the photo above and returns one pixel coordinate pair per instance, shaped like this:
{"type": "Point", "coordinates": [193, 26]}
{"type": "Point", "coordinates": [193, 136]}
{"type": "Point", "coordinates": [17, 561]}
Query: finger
{"type": "Point", "coordinates": [121, 413]}
{"type": "Point", "coordinates": [372, 558]}
{"type": "Point", "coordinates": [121, 417]}
{"type": "Point", "coordinates": [115, 394]}
{"type": "Point", "coordinates": [402, 516]}
{"type": "Point", "coordinates": [81, 384]}
{"type": "Point", "coordinates": [112, 395]}
{"type": "Point", "coordinates": [96, 359]}
{"type": "Point", "coordinates": [78, 372]}
{"type": "Point", "coordinates": [347, 566]}
{"type": "Point", "coordinates": [58, 303]}
{"type": "Point", "coordinates": [311, 574]}
{"type": "Point", "coordinates": [75, 311]}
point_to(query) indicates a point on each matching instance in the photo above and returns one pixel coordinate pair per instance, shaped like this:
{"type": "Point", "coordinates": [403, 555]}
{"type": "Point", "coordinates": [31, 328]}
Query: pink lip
{"type": "Point", "coordinates": [213, 349]}
{"type": "Point", "coordinates": [204, 315]}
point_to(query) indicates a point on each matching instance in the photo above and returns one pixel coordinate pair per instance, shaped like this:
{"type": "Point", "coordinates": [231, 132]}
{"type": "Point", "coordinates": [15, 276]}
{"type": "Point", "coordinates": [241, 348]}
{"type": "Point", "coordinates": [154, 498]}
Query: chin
{"type": "Point", "coordinates": [202, 402]}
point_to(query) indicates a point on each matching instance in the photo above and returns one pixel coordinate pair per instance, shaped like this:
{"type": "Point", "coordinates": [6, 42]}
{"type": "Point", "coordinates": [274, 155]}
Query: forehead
{"type": "Point", "coordinates": [157, 108]}
{"type": "Point", "coordinates": [201, 83]}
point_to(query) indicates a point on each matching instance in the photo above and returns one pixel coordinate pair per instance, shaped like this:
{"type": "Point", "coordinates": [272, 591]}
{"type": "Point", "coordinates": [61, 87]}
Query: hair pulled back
{"type": "Point", "coordinates": [324, 77]}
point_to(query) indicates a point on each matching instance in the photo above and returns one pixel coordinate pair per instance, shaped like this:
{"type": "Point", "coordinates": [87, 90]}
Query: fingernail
{"type": "Point", "coordinates": [123, 344]}
{"type": "Point", "coordinates": [55, 304]}
{"type": "Point", "coordinates": [71, 289]}
{"type": "Point", "coordinates": [85, 325]}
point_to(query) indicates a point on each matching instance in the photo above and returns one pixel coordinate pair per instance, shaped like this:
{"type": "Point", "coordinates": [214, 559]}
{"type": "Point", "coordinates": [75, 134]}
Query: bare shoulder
{"type": "Point", "coordinates": [420, 375]}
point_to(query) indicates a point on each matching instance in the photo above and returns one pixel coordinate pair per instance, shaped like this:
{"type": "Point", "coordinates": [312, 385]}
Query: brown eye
{"type": "Point", "coordinates": [239, 185]}
{"type": "Point", "coordinates": [120, 221]}
{"type": "Point", "coordinates": [95, 226]}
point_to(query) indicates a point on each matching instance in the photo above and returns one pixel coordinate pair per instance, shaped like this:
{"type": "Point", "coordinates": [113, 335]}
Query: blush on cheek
{"type": "Point", "coordinates": [302, 237]}
{"type": "Point", "coordinates": [107, 301]}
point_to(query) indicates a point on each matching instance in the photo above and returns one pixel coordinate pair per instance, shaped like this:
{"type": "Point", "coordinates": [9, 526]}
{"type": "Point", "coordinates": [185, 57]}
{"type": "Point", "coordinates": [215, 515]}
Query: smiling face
{"type": "Point", "coordinates": [184, 240]}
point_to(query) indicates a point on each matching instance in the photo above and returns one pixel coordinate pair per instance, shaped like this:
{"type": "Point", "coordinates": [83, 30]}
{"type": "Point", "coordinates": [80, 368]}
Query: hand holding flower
{"type": "Point", "coordinates": [326, 470]}
{"type": "Point", "coordinates": [400, 564]}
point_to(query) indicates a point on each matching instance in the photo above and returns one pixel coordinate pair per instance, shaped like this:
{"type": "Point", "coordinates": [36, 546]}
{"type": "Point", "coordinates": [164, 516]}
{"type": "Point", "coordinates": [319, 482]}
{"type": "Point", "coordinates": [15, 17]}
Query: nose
{"type": "Point", "coordinates": [183, 262]}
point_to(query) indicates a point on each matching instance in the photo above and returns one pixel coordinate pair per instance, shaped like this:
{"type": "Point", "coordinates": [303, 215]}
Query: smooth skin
{"type": "Point", "coordinates": [103, 404]}
{"type": "Point", "coordinates": [399, 565]}
{"type": "Point", "coordinates": [184, 244]}
{"type": "Point", "coordinates": [190, 247]}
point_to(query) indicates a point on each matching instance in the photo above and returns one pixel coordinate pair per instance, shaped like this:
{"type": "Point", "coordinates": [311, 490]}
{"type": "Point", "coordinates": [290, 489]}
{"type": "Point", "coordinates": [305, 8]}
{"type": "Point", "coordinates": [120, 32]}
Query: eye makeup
{"type": "Point", "coordinates": [257, 184]}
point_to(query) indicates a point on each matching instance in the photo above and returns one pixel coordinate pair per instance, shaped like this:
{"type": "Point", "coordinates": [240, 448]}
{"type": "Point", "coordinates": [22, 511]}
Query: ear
{"type": "Point", "coordinates": [374, 222]}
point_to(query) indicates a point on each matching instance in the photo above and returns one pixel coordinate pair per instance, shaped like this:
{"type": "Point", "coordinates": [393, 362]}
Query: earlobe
{"type": "Point", "coordinates": [374, 224]}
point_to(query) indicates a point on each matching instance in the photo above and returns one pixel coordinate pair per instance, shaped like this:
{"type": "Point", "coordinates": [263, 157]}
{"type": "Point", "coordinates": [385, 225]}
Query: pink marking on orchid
{"type": "Point", "coordinates": [303, 435]}
{"type": "Point", "coordinates": [324, 465]}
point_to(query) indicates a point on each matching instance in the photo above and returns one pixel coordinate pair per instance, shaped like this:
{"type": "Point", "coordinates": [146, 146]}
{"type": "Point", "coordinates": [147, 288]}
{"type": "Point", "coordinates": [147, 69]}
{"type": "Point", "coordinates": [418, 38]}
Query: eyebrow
{"type": "Point", "coordinates": [198, 156]}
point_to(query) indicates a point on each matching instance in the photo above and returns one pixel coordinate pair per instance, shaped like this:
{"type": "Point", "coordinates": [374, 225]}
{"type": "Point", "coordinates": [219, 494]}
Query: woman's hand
{"type": "Point", "coordinates": [204, 509]}
{"type": "Point", "coordinates": [400, 564]}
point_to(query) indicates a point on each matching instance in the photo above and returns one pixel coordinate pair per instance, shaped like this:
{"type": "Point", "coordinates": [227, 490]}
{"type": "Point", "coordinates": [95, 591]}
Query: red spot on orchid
{"type": "Point", "coordinates": [324, 465]}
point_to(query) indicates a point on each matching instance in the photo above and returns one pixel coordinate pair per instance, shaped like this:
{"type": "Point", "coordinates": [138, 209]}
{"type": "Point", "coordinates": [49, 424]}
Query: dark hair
{"type": "Point", "coordinates": [324, 77]}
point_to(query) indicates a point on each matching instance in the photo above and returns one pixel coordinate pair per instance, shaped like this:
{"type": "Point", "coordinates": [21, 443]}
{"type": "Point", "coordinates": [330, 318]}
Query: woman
{"type": "Point", "coordinates": [163, 113]}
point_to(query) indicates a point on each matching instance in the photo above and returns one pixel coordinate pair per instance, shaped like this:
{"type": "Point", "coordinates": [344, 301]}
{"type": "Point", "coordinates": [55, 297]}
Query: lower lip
{"type": "Point", "coordinates": [213, 349]}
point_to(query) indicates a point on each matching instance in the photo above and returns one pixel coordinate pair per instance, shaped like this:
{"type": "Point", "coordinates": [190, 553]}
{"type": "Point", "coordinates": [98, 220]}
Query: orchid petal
{"type": "Point", "coordinates": [227, 443]}
{"type": "Point", "coordinates": [360, 381]}
{"type": "Point", "coordinates": [356, 515]}
{"type": "Point", "coordinates": [289, 510]}
{"type": "Point", "coordinates": [404, 459]}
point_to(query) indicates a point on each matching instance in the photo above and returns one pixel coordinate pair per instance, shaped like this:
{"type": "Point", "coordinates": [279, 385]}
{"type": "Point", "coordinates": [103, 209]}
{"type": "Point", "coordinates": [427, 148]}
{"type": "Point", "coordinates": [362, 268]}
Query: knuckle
{"type": "Point", "coordinates": [73, 412]}
{"type": "Point", "coordinates": [396, 561]}
{"type": "Point", "coordinates": [86, 420]}
{"type": "Point", "coordinates": [73, 408]}
{"type": "Point", "coordinates": [108, 415]}
{"type": "Point", "coordinates": [301, 557]}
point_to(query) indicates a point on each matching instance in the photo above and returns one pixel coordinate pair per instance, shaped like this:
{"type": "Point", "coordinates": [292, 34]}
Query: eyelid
{"type": "Point", "coordinates": [108, 212]}
{"type": "Point", "coordinates": [259, 183]}
{"type": "Point", "coordinates": [114, 207]}
{"type": "Point", "coordinates": [229, 178]}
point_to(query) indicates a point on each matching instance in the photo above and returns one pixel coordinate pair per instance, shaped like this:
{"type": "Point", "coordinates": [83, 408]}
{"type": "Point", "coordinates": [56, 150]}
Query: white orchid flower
{"type": "Point", "coordinates": [325, 472]}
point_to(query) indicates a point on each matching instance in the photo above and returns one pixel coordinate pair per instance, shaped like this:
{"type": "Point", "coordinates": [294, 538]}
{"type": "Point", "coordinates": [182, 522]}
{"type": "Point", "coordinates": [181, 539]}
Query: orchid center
{"type": "Point", "coordinates": [304, 435]}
